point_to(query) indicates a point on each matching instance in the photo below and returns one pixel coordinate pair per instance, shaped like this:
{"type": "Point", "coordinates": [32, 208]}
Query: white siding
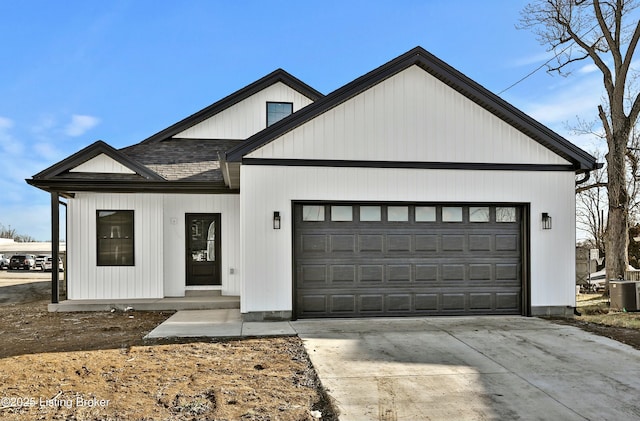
{"type": "Point", "coordinates": [89, 281]}
{"type": "Point", "coordinates": [411, 116]}
{"type": "Point", "coordinates": [267, 253]}
{"type": "Point", "coordinates": [175, 208]}
{"type": "Point", "coordinates": [102, 164]}
{"type": "Point", "coordinates": [159, 223]}
{"type": "Point", "coordinates": [247, 117]}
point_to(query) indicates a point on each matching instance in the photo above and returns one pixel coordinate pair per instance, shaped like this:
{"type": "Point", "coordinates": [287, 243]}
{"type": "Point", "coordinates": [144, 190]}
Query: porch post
{"type": "Point", "coordinates": [55, 242]}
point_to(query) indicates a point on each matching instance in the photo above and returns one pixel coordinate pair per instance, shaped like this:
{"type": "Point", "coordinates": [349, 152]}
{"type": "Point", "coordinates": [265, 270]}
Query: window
{"type": "Point", "coordinates": [370, 213]}
{"type": "Point", "coordinates": [479, 214]}
{"type": "Point", "coordinates": [397, 213]}
{"type": "Point", "coordinates": [313, 213]}
{"type": "Point", "coordinates": [341, 213]}
{"type": "Point", "coordinates": [115, 237]}
{"type": "Point", "coordinates": [276, 111]}
{"type": "Point", "coordinates": [425, 213]}
{"type": "Point", "coordinates": [451, 214]}
{"type": "Point", "coordinates": [505, 214]}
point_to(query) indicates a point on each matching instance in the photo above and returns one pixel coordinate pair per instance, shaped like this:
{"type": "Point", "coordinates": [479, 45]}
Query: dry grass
{"type": "Point", "coordinates": [595, 309]}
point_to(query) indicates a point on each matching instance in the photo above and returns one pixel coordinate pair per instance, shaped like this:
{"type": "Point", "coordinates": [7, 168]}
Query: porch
{"type": "Point", "coordinates": [197, 302]}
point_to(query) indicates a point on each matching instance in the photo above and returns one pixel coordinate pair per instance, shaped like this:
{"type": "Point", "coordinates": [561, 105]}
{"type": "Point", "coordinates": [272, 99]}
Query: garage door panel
{"type": "Point", "coordinates": [371, 242]}
{"type": "Point", "coordinates": [480, 272]}
{"type": "Point", "coordinates": [396, 243]}
{"type": "Point", "coordinates": [426, 303]}
{"type": "Point", "coordinates": [313, 243]}
{"type": "Point", "coordinates": [480, 242]}
{"type": "Point", "coordinates": [399, 273]}
{"type": "Point", "coordinates": [344, 303]}
{"type": "Point", "coordinates": [343, 274]}
{"type": "Point", "coordinates": [453, 301]}
{"type": "Point", "coordinates": [507, 242]}
{"type": "Point", "coordinates": [312, 275]}
{"type": "Point", "coordinates": [453, 272]}
{"type": "Point", "coordinates": [398, 303]}
{"type": "Point", "coordinates": [426, 273]}
{"type": "Point", "coordinates": [373, 303]}
{"type": "Point", "coordinates": [453, 242]}
{"type": "Point", "coordinates": [426, 243]}
{"type": "Point", "coordinates": [480, 301]}
{"type": "Point", "coordinates": [372, 273]}
{"type": "Point", "coordinates": [421, 267]}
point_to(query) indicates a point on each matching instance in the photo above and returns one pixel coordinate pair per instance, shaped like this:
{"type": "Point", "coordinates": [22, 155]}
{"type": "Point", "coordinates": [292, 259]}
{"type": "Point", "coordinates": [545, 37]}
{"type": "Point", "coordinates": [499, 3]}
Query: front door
{"type": "Point", "coordinates": [203, 249]}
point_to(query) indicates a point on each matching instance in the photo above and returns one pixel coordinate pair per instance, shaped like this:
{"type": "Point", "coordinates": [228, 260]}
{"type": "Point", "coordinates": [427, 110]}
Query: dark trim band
{"type": "Point", "coordinates": [63, 186]}
{"type": "Point", "coordinates": [407, 164]}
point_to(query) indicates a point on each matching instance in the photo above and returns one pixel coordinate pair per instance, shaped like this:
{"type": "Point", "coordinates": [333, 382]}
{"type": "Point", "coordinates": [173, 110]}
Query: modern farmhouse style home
{"type": "Point", "coordinates": [410, 191]}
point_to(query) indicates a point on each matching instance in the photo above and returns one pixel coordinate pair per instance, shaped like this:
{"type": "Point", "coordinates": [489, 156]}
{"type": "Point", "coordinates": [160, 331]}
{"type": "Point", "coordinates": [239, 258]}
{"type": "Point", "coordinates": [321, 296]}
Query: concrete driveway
{"type": "Point", "coordinates": [485, 368]}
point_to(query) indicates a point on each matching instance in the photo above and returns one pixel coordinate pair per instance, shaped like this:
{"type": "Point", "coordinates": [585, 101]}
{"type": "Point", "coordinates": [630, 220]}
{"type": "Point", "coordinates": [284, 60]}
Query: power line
{"type": "Point", "coordinates": [545, 63]}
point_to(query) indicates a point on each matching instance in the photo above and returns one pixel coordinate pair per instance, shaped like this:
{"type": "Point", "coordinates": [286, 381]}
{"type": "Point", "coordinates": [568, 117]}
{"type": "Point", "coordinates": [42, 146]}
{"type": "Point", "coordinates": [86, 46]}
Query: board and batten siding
{"type": "Point", "coordinates": [247, 117]}
{"type": "Point", "coordinates": [412, 116]}
{"type": "Point", "coordinates": [102, 164]}
{"type": "Point", "coordinates": [159, 229]}
{"type": "Point", "coordinates": [87, 280]}
{"type": "Point", "coordinates": [267, 253]}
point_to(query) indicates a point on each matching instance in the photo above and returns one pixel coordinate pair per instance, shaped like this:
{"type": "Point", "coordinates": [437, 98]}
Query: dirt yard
{"type": "Point", "coordinates": [95, 366]}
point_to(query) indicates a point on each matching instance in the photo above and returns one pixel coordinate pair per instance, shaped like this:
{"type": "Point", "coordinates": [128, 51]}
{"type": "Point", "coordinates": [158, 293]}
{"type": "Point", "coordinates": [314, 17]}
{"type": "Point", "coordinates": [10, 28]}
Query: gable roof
{"type": "Point", "coordinates": [581, 160]}
{"type": "Point", "coordinates": [99, 147]}
{"type": "Point", "coordinates": [276, 76]}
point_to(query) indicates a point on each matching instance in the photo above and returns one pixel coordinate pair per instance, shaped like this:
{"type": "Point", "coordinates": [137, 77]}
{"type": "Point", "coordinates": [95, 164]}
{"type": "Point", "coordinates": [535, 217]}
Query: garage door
{"type": "Point", "coordinates": [365, 260]}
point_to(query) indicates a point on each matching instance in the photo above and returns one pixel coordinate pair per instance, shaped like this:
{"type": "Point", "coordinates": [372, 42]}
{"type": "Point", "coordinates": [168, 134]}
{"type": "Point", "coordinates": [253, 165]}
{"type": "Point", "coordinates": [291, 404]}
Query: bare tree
{"type": "Point", "coordinates": [591, 203]}
{"type": "Point", "coordinates": [606, 34]}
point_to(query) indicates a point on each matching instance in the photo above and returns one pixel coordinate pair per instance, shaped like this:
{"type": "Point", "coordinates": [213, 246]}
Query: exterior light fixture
{"type": "Point", "coordinates": [546, 221]}
{"type": "Point", "coordinates": [276, 220]}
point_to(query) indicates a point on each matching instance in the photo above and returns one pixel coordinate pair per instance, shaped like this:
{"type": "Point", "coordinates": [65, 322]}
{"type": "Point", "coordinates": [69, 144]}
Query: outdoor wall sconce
{"type": "Point", "coordinates": [546, 221]}
{"type": "Point", "coordinates": [276, 220]}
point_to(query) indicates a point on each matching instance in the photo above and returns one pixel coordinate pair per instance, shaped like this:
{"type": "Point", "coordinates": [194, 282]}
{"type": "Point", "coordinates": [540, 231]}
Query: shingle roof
{"type": "Point", "coordinates": [183, 159]}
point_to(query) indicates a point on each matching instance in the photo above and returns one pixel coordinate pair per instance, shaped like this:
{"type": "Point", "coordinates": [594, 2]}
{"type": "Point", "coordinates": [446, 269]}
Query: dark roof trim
{"type": "Point", "coordinates": [107, 186]}
{"type": "Point", "coordinates": [408, 164]}
{"type": "Point", "coordinates": [278, 75]}
{"type": "Point", "coordinates": [91, 151]}
{"type": "Point", "coordinates": [448, 75]}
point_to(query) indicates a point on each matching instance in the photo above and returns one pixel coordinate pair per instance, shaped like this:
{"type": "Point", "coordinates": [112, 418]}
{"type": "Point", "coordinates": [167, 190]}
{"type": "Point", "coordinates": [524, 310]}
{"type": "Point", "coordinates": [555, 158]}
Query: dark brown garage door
{"type": "Point", "coordinates": [365, 260]}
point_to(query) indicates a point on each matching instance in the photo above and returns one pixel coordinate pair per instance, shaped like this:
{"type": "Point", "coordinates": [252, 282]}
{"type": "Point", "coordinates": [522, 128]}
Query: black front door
{"type": "Point", "coordinates": [203, 249]}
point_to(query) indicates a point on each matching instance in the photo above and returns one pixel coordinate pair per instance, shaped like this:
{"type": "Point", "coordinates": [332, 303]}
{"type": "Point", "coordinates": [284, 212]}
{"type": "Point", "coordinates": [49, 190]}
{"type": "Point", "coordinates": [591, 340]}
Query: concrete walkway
{"type": "Point", "coordinates": [457, 368]}
{"type": "Point", "coordinates": [217, 324]}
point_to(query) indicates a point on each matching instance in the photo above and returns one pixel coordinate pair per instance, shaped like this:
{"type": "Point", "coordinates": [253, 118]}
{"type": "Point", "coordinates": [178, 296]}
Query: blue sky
{"type": "Point", "coordinates": [77, 71]}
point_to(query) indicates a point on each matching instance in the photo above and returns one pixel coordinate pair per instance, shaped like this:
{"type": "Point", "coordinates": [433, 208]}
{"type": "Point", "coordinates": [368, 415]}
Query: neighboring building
{"type": "Point", "coordinates": [410, 191]}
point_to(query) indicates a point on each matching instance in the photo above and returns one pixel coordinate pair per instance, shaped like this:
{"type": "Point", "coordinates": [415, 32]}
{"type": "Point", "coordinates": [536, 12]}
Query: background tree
{"type": "Point", "coordinates": [605, 34]}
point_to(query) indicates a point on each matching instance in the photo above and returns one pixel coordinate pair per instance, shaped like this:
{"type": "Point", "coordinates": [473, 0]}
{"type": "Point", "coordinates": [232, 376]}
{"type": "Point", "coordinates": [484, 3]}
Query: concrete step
{"type": "Point", "coordinates": [202, 293]}
{"type": "Point", "coordinates": [152, 304]}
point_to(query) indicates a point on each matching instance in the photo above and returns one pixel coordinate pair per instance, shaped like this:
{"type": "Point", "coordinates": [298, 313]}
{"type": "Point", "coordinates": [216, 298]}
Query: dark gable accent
{"type": "Point", "coordinates": [91, 151]}
{"type": "Point", "coordinates": [278, 75]}
{"type": "Point", "coordinates": [581, 160]}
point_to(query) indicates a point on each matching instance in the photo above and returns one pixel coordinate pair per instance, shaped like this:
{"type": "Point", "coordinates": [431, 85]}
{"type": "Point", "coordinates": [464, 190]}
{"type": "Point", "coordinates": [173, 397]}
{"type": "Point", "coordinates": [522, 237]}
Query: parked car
{"type": "Point", "coordinates": [4, 262]}
{"type": "Point", "coordinates": [22, 261]}
{"type": "Point", "coordinates": [48, 264]}
{"type": "Point", "coordinates": [40, 260]}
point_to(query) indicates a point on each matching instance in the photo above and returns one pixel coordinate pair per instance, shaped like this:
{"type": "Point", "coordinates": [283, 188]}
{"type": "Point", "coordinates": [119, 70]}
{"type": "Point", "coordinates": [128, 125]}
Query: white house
{"type": "Point", "coordinates": [410, 191]}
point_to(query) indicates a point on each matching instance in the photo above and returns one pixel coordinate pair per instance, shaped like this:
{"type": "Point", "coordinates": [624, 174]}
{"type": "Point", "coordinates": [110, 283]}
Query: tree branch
{"type": "Point", "coordinates": [591, 186]}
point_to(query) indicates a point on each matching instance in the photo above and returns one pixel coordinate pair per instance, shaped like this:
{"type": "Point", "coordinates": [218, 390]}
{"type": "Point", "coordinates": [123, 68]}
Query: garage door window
{"type": "Point", "coordinates": [370, 213]}
{"type": "Point", "coordinates": [397, 213]}
{"type": "Point", "coordinates": [505, 214]}
{"type": "Point", "coordinates": [425, 213]}
{"type": "Point", "coordinates": [479, 214]}
{"type": "Point", "coordinates": [342, 213]}
{"type": "Point", "coordinates": [313, 213]}
{"type": "Point", "coordinates": [451, 214]}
